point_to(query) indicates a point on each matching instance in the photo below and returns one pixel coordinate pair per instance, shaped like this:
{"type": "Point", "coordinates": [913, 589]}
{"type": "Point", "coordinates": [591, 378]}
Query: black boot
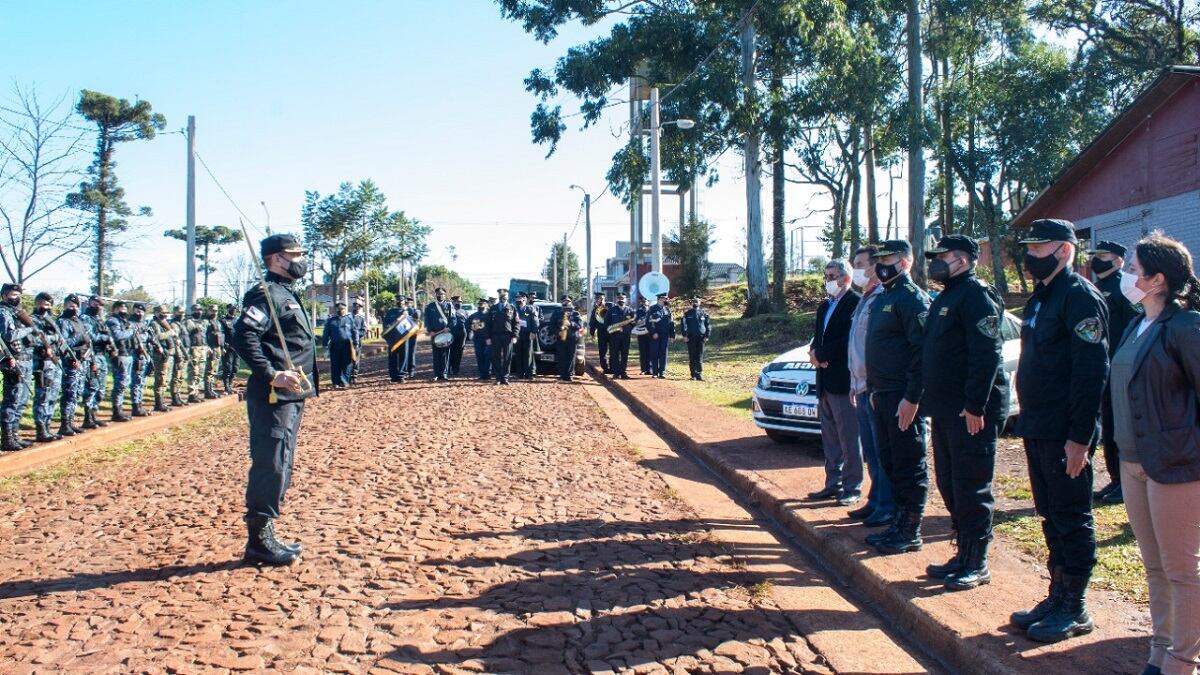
{"type": "Point", "coordinates": [974, 568]}
{"type": "Point", "coordinates": [228, 387]}
{"type": "Point", "coordinates": [96, 418]}
{"type": "Point", "coordinates": [177, 401]}
{"type": "Point", "coordinates": [68, 422]}
{"type": "Point", "coordinates": [261, 547]}
{"type": "Point", "coordinates": [64, 427]}
{"type": "Point", "coordinates": [159, 406]}
{"type": "Point", "coordinates": [294, 547]}
{"type": "Point", "coordinates": [139, 410]}
{"type": "Point", "coordinates": [1070, 618]}
{"type": "Point", "coordinates": [192, 398]}
{"type": "Point", "coordinates": [888, 533]}
{"type": "Point", "coordinates": [118, 414]}
{"type": "Point", "coordinates": [43, 433]}
{"type": "Point", "coordinates": [907, 537]}
{"type": "Point", "coordinates": [89, 419]}
{"type": "Point", "coordinates": [8, 440]}
{"type": "Point", "coordinates": [1026, 618]}
{"type": "Point", "coordinates": [209, 394]}
{"type": "Point", "coordinates": [951, 566]}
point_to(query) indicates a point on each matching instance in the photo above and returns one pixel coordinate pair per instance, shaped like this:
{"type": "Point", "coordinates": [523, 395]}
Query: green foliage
{"type": "Point", "coordinates": [382, 301]}
{"type": "Point", "coordinates": [430, 277]}
{"type": "Point", "coordinates": [690, 246]}
{"type": "Point", "coordinates": [576, 286]}
{"type": "Point", "coordinates": [206, 238]}
{"type": "Point", "coordinates": [117, 121]}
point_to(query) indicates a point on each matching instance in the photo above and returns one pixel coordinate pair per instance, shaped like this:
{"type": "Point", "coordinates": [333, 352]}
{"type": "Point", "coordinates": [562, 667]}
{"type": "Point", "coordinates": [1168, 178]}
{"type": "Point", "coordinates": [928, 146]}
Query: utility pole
{"type": "Point", "coordinates": [756, 271]}
{"type": "Point", "coordinates": [655, 181]}
{"type": "Point", "coordinates": [190, 283]}
{"type": "Point", "coordinates": [554, 273]}
{"type": "Point", "coordinates": [587, 222]}
{"type": "Point", "coordinates": [916, 148]}
{"type": "Point", "coordinates": [566, 282]}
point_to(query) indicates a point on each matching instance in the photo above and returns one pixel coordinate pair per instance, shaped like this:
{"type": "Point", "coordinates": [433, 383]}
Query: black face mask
{"type": "Point", "coordinates": [40, 310]}
{"type": "Point", "coordinates": [296, 269]}
{"type": "Point", "coordinates": [939, 270]}
{"type": "Point", "coordinates": [886, 273]}
{"type": "Point", "coordinates": [93, 311]}
{"type": "Point", "coordinates": [138, 316]}
{"type": "Point", "coordinates": [69, 313]}
{"type": "Point", "coordinates": [122, 314]}
{"type": "Point", "coordinates": [1041, 268]}
{"type": "Point", "coordinates": [1101, 266]}
{"type": "Point", "coordinates": [195, 315]}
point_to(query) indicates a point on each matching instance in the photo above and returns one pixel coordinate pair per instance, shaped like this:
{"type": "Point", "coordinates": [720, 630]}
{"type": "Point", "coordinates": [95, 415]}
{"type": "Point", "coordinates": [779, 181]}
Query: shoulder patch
{"type": "Point", "coordinates": [923, 317]}
{"type": "Point", "coordinates": [254, 315]}
{"type": "Point", "coordinates": [944, 312]}
{"type": "Point", "coordinates": [1089, 330]}
{"type": "Point", "coordinates": [989, 326]}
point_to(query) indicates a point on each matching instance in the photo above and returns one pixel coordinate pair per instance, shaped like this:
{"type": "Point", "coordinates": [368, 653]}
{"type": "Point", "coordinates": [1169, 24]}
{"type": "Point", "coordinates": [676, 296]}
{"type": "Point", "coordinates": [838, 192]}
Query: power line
{"type": "Point", "coordinates": [226, 193]}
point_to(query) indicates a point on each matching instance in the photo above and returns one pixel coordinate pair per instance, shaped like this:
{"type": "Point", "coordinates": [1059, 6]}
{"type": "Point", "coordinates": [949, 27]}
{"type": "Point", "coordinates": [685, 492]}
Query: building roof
{"type": "Point", "coordinates": [1161, 90]}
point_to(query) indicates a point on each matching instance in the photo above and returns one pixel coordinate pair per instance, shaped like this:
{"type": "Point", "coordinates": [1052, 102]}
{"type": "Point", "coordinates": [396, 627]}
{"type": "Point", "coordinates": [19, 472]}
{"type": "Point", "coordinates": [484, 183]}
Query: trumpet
{"type": "Point", "coordinates": [616, 327]}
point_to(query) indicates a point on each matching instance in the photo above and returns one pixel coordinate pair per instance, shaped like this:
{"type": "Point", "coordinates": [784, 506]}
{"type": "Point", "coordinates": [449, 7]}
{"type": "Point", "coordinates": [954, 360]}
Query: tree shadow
{"type": "Point", "coordinates": [90, 581]}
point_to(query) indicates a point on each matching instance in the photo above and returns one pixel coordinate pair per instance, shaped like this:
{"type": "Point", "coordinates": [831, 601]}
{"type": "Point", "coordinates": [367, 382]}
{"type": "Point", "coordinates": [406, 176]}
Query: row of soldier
{"type": "Point", "coordinates": [64, 361]}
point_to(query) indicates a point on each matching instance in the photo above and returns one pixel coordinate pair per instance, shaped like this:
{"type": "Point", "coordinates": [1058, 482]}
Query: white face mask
{"type": "Point", "coordinates": [860, 278]}
{"type": "Point", "coordinates": [1130, 290]}
{"type": "Point", "coordinates": [832, 288]}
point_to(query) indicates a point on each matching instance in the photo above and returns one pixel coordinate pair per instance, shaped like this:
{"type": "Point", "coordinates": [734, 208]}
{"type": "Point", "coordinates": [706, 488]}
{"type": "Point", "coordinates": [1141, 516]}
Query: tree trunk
{"type": "Point", "coordinates": [972, 179]}
{"type": "Point", "coordinates": [779, 236]}
{"type": "Point", "coordinates": [1001, 280]}
{"type": "Point", "coordinates": [872, 200]}
{"type": "Point", "coordinates": [102, 211]}
{"type": "Point", "coordinates": [756, 273]}
{"type": "Point", "coordinates": [947, 149]}
{"type": "Point", "coordinates": [855, 191]}
{"type": "Point", "coordinates": [916, 148]}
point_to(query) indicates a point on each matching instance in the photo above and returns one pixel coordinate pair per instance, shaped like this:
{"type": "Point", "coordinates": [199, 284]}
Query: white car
{"type": "Point", "coordinates": [784, 401]}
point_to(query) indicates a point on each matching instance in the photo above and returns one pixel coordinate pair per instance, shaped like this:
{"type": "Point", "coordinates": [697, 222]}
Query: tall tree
{"type": "Point", "coordinates": [117, 121]}
{"type": "Point", "coordinates": [40, 154]}
{"type": "Point", "coordinates": [553, 269]}
{"type": "Point", "coordinates": [207, 238]}
{"type": "Point", "coordinates": [689, 245]}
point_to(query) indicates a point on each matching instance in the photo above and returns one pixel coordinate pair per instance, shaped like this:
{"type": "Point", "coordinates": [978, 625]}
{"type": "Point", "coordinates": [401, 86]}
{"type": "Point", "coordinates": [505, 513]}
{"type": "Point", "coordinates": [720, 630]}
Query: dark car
{"type": "Point", "coordinates": [547, 344]}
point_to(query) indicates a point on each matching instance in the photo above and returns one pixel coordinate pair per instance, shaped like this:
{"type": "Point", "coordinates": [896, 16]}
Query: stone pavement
{"type": "Point", "coordinates": [447, 528]}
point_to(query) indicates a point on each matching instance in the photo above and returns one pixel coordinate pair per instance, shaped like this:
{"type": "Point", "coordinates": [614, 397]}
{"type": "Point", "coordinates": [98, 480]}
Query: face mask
{"type": "Point", "coordinates": [1101, 266]}
{"type": "Point", "coordinates": [886, 273]}
{"type": "Point", "coordinates": [69, 313]}
{"type": "Point", "coordinates": [620, 303]}
{"type": "Point", "coordinates": [1130, 290]}
{"type": "Point", "coordinates": [832, 288]}
{"type": "Point", "coordinates": [93, 311]}
{"type": "Point", "coordinates": [195, 315]}
{"type": "Point", "coordinates": [138, 317]}
{"type": "Point", "coordinates": [40, 310]}
{"type": "Point", "coordinates": [860, 278]}
{"type": "Point", "coordinates": [122, 314]}
{"type": "Point", "coordinates": [1041, 268]}
{"type": "Point", "coordinates": [296, 269]}
{"type": "Point", "coordinates": [939, 270]}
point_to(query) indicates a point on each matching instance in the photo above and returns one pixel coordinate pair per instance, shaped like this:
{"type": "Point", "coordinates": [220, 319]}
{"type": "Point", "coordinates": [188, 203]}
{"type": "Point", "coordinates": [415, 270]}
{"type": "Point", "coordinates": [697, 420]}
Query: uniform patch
{"type": "Point", "coordinates": [989, 326]}
{"type": "Point", "coordinates": [887, 308]}
{"type": "Point", "coordinates": [1090, 330]}
{"type": "Point", "coordinates": [944, 312]}
{"type": "Point", "coordinates": [255, 315]}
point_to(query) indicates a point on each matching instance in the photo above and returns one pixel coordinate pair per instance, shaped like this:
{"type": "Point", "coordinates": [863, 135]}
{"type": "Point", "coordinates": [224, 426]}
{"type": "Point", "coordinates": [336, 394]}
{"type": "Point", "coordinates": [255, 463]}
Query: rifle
{"type": "Point", "coordinates": [49, 351]}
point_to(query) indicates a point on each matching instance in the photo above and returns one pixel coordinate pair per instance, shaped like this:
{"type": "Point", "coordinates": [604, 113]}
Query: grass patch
{"type": "Point", "coordinates": [1013, 487]}
{"type": "Point", "coordinates": [1119, 564]}
{"type": "Point", "coordinates": [761, 590]}
{"type": "Point", "coordinates": [86, 466]}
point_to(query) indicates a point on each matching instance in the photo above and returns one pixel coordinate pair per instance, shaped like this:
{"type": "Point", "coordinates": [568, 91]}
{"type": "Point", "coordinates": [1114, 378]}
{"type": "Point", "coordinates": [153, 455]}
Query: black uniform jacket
{"type": "Point", "coordinates": [961, 360]}
{"type": "Point", "coordinates": [1064, 360]}
{"type": "Point", "coordinates": [1120, 310]}
{"type": "Point", "coordinates": [894, 339]}
{"type": "Point", "coordinates": [503, 321]}
{"type": "Point", "coordinates": [832, 345]}
{"type": "Point", "coordinates": [257, 342]}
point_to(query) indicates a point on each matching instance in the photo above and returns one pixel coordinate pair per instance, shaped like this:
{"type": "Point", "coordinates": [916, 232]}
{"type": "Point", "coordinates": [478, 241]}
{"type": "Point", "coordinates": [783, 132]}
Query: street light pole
{"type": "Point", "coordinates": [655, 181]}
{"type": "Point", "coordinates": [268, 212]}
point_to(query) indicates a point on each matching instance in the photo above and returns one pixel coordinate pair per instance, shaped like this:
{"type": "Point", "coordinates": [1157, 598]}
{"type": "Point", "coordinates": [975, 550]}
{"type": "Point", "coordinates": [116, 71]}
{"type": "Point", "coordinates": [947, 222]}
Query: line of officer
{"type": "Point", "coordinates": [662, 329]}
{"type": "Point", "coordinates": [1063, 370]}
{"type": "Point", "coordinates": [503, 328]}
{"type": "Point", "coordinates": [893, 355]}
{"type": "Point", "coordinates": [1108, 257]}
{"type": "Point", "coordinates": [97, 373]}
{"type": "Point", "coordinates": [477, 329]}
{"type": "Point", "coordinates": [596, 330]}
{"type": "Point", "coordinates": [530, 321]}
{"type": "Point", "coordinates": [618, 342]}
{"type": "Point", "coordinates": [275, 393]}
{"type": "Point", "coordinates": [49, 355]}
{"type": "Point", "coordinates": [16, 332]}
{"type": "Point", "coordinates": [564, 354]}
{"type": "Point", "coordinates": [966, 398]}
{"type": "Point", "coordinates": [696, 329]}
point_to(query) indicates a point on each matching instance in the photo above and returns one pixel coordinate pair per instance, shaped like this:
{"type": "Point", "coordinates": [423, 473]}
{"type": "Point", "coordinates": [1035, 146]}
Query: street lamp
{"type": "Point", "coordinates": [587, 224]}
{"type": "Point", "coordinates": [656, 128]}
{"type": "Point", "coordinates": [264, 205]}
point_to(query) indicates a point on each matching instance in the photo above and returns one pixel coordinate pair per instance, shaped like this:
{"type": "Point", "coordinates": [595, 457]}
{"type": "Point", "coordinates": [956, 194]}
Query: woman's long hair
{"type": "Point", "coordinates": [1159, 254]}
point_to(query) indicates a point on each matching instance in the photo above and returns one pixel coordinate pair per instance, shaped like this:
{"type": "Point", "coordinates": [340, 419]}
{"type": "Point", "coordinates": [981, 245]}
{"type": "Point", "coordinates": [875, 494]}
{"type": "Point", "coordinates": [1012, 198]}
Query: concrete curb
{"type": "Point", "coordinates": [42, 454]}
{"type": "Point", "coordinates": [844, 559]}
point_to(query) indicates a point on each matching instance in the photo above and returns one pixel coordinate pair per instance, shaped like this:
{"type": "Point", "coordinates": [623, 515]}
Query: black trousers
{"type": "Point", "coordinates": [964, 466]}
{"type": "Point", "coordinates": [396, 362]}
{"type": "Point", "coordinates": [483, 358]}
{"type": "Point", "coordinates": [1064, 504]}
{"type": "Point", "coordinates": [602, 344]}
{"type": "Point", "coordinates": [1112, 460]}
{"type": "Point", "coordinates": [523, 366]}
{"type": "Point", "coordinates": [273, 430]}
{"type": "Point", "coordinates": [501, 356]}
{"type": "Point", "coordinates": [410, 357]}
{"type": "Point", "coordinates": [696, 355]}
{"type": "Point", "coordinates": [618, 352]}
{"type": "Point", "coordinates": [902, 453]}
{"type": "Point", "coordinates": [441, 361]}
{"type": "Point", "coordinates": [229, 364]}
{"type": "Point", "coordinates": [456, 352]}
{"type": "Point", "coordinates": [564, 358]}
{"type": "Point", "coordinates": [644, 353]}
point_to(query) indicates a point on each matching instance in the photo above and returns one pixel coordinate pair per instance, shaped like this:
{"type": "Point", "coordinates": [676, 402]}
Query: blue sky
{"type": "Point", "coordinates": [423, 96]}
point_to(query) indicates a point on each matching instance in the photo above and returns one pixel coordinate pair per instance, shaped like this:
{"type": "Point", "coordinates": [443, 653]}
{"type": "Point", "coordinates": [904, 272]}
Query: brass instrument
{"type": "Point", "coordinates": [601, 311]}
{"type": "Point", "coordinates": [477, 325]}
{"type": "Point", "coordinates": [562, 330]}
{"type": "Point", "coordinates": [616, 327]}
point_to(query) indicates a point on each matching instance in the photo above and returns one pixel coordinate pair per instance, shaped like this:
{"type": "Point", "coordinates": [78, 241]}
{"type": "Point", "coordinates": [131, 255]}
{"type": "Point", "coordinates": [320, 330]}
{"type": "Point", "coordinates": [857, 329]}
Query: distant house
{"type": "Point", "coordinates": [616, 277]}
{"type": "Point", "coordinates": [1142, 173]}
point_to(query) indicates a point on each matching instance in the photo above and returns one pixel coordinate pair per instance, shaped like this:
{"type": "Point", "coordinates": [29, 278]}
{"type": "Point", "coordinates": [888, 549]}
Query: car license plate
{"type": "Point", "coordinates": [800, 410]}
{"type": "Point", "coordinates": [545, 357]}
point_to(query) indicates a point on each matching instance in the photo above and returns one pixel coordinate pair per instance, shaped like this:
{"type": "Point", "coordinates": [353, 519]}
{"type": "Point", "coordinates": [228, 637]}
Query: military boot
{"type": "Point", "coordinates": [951, 566]}
{"type": "Point", "coordinates": [974, 567]}
{"type": "Point", "coordinates": [907, 537]}
{"type": "Point", "coordinates": [176, 401]}
{"type": "Point", "coordinates": [294, 547]}
{"type": "Point", "coordinates": [89, 419]}
{"type": "Point", "coordinates": [118, 414]}
{"type": "Point", "coordinates": [209, 393]}
{"type": "Point", "coordinates": [65, 428]}
{"type": "Point", "coordinates": [8, 440]}
{"type": "Point", "coordinates": [16, 438]}
{"type": "Point", "coordinates": [1025, 618]}
{"type": "Point", "coordinates": [1070, 618]}
{"type": "Point", "coordinates": [888, 533]}
{"type": "Point", "coordinates": [228, 387]}
{"type": "Point", "coordinates": [159, 406]}
{"type": "Point", "coordinates": [192, 398]}
{"type": "Point", "coordinates": [261, 546]}
{"type": "Point", "coordinates": [139, 410]}
{"type": "Point", "coordinates": [44, 434]}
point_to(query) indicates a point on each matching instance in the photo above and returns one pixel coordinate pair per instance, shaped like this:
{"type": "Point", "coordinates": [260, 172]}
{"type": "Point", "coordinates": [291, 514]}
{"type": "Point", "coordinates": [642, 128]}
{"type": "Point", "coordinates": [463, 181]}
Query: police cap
{"type": "Point", "coordinates": [139, 307]}
{"type": "Point", "coordinates": [71, 298]}
{"type": "Point", "coordinates": [1109, 247]}
{"type": "Point", "coordinates": [43, 296]}
{"type": "Point", "coordinates": [9, 287]}
{"type": "Point", "coordinates": [279, 243]}
{"type": "Point", "coordinates": [96, 299]}
{"type": "Point", "coordinates": [955, 242]}
{"type": "Point", "coordinates": [1050, 229]}
{"type": "Point", "coordinates": [893, 247]}
{"type": "Point", "coordinates": [662, 295]}
{"type": "Point", "coordinates": [160, 309]}
{"type": "Point", "coordinates": [118, 303]}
